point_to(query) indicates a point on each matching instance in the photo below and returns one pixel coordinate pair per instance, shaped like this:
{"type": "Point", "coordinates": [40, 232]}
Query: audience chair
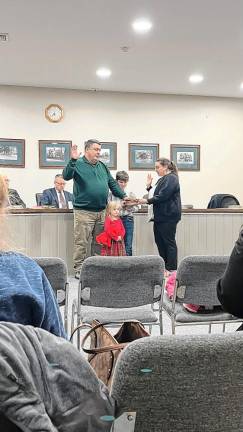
{"type": "Point", "coordinates": [115, 289]}
{"type": "Point", "coordinates": [196, 283]}
{"type": "Point", "coordinates": [180, 383]}
{"type": "Point", "coordinates": [38, 197]}
{"type": "Point", "coordinates": [56, 272]}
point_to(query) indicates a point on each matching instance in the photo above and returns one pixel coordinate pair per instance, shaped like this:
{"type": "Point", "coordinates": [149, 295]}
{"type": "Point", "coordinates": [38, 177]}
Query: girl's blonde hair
{"type": "Point", "coordinates": [4, 236]}
{"type": "Point", "coordinates": [112, 205]}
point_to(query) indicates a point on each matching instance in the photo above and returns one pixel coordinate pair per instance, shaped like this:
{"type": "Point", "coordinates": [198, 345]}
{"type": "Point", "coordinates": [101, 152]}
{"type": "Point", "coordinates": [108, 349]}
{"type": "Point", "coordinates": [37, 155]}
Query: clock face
{"type": "Point", "coordinates": [54, 113]}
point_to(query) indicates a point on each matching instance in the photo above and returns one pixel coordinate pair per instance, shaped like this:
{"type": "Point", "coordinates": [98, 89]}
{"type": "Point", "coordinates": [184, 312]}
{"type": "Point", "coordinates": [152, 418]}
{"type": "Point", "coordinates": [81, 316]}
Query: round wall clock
{"type": "Point", "coordinates": [54, 113]}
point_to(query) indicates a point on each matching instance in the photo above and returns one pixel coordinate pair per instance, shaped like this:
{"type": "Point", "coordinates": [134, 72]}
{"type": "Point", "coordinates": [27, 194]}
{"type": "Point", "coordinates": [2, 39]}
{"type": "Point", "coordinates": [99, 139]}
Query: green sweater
{"type": "Point", "coordinates": [91, 184]}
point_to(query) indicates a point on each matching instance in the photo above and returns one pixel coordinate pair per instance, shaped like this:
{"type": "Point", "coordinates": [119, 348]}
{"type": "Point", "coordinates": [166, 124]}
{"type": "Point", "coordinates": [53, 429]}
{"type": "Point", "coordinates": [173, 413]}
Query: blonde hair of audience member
{"type": "Point", "coordinates": [4, 234]}
{"type": "Point", "coordinates": [111, 207]}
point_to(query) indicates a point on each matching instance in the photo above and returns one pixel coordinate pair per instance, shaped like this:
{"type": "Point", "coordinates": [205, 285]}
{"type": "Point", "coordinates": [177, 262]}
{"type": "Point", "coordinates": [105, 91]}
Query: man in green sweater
{"type": "Point", "coordinates": [91, 183]}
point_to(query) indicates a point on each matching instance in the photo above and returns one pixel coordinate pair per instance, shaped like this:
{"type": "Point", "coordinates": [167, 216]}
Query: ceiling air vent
{"type": "Point", "coordinates": [4, 37]}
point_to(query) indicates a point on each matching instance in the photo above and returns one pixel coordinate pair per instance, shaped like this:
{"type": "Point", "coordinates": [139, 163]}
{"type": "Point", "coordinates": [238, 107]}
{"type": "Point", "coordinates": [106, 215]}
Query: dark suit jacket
{"type": "Point", "coordinates": [49, 197]}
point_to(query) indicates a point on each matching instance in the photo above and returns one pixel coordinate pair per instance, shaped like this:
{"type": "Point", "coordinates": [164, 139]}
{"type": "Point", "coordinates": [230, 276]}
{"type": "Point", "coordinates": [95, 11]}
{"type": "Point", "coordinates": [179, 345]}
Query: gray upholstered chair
{"type": "Point", "coordinates": [196, 283]}
{"type": "Point", "coordinates": [56, 272]}
{"type": "Point", "coordinates": [115, 289]}
{"type": "Point", "coordinates": [180, 383]}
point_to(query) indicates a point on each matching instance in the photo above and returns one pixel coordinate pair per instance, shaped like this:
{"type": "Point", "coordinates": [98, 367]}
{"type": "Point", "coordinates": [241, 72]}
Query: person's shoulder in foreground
{"type": "Point", "coordinates": [230, 286]}
{"type": "Point", "coordinates": [26, 294]}
{"type": "Point", "coordinates": [59, 390]}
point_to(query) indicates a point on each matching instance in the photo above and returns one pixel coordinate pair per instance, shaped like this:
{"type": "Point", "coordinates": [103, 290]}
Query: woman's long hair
{"type": "Point", "coordinates": [4, 234]}
{"type": "Point", "coordinates": [169, 164]}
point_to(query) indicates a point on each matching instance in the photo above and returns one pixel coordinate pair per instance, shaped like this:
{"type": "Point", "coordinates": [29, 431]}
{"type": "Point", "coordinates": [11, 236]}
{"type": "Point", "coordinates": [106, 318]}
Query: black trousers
{"type": "Point", "coordinates": [164, 235]}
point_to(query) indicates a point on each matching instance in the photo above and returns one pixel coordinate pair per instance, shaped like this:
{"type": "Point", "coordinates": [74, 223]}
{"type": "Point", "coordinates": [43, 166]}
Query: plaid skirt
{"type": "Point", "coordinates": [117, 249]}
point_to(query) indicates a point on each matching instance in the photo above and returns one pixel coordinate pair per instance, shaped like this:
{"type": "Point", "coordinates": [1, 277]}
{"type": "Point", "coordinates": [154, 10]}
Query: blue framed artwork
{"type": "Point", "coordinates": [108, 154]}
{"type": "Point", "coordinates": [54, 153]}
{"type": "Point", "coordinates": [186, 157]}
{"type": "Point", "coordinates": [142, 156]}
{"type": "Point", "coordinates": [12, 153]}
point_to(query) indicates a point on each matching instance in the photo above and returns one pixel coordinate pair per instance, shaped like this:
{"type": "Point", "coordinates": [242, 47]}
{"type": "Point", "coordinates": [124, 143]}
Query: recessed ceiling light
{"type": "Point", "coordinates": [125, 49]}
{"type": "Point", "coordinates": [142, 25]}
{"type": "Point", "coordinates": [196, 78]}
{"type": "Point", "coordinates": [103, 72]}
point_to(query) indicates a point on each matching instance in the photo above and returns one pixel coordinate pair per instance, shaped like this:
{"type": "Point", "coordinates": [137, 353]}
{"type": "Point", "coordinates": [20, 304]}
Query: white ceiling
{"type": "Point", "coordinates": [61, 43]}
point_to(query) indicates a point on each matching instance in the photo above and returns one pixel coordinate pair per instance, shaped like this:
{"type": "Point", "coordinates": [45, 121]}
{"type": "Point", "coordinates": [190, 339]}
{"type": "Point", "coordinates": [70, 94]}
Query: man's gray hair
{"type": "Point", "coordinates": [58, 175]}
{"type": "Point", "coordinates": [90, 142]}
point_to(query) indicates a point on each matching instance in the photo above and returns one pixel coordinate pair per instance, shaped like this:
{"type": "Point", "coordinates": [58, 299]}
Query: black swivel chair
{"type": "Point", "coordinates": [222, 201]}
{"type": "Point", "coordinates": [38, 197]}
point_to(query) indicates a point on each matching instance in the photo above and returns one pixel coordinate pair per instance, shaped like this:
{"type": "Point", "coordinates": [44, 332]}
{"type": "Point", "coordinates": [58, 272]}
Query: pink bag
{"type": "Point", "coordinates": [170, 288]}
{"type": "Point", "coordinates": [170, 284]}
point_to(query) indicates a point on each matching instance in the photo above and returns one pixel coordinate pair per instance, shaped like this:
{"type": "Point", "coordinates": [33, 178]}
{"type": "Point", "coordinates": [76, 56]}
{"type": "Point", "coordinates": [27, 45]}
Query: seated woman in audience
{"type": "Point", "coordinates": [26, 296]}
{"type": "Point", "coordinates": [112, 238]}
{"type": "Point", "coordinates": [230, 286]}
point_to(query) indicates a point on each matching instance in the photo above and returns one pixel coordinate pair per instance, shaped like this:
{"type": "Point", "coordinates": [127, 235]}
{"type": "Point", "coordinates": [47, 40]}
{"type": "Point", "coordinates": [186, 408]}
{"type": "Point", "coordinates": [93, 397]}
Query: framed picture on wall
{"type": "Point", "coordinates": [142, 156]}
{"type": "Point", "coordinates": [186, 157]}
{"type": "Point", "coordinates": [108, 154]}
{"type": "Point", "coordinates": [12, 153]}
{"type": "Point", "coordinates": [54, 153]}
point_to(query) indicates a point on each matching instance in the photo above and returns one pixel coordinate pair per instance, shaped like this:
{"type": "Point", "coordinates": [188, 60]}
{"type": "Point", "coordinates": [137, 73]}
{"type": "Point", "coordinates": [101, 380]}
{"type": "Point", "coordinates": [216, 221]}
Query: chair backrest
{"type": "Point", "coordinates": [38, 197]}
{"type": "Point", "coordinates": [181, 383]}
{"type": "Point", "coordinates": [56, 272]}
{"type": "Point", "coordinates": [197, 277]}
{"type": "Point", "coordinates": [222, 201]}
{"type": "Point", "coordinates": [120, 282]}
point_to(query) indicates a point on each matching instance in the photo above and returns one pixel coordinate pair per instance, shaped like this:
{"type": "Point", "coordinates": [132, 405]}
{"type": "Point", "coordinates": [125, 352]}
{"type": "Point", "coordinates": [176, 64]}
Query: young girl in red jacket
{"type": "Point", "coordinates": [112, 238]}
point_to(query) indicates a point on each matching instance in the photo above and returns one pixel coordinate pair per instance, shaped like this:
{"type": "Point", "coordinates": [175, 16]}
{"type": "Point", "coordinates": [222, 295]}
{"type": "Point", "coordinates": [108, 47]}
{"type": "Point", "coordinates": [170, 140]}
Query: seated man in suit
{"type": "Point", "coordinates": [57, 196]}
{"type": "Point", "coordinates": [13, 196]}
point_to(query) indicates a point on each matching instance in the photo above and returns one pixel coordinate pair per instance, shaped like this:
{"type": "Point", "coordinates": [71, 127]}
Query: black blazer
{"type": "Point", "coordinates": [230, 286]}
{"type": "Point", "coordinates": [49, 197]}
{"type": "Point", "coordinates": [167, 200]}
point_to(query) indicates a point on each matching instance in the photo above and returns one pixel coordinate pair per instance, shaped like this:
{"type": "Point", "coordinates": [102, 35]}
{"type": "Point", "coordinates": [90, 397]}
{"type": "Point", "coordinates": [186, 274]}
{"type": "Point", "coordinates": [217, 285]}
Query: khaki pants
{"type": "Point", "coordinates": [87, 225]}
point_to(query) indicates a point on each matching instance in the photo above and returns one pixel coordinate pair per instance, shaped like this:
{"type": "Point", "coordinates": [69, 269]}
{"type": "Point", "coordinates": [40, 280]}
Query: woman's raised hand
{"type": "Point", "coordinates": [75, 153]}
{"type": "Point", "coordinates": [149, 180]}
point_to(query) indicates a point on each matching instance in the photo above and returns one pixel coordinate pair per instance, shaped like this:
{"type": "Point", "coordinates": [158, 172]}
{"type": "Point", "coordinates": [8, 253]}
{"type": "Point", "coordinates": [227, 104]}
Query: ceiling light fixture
{"type": "Point", "coordinates": [142, 25]}
{"type": "Point", "coordinates": [103, 72]}
{"type": "Point", "coordinates": [241, 86]}
{"type": "Point", "coordinates": [196, 78]}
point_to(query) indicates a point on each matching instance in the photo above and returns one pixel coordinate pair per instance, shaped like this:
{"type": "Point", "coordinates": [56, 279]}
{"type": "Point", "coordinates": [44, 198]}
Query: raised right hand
{"type": "Point", "coordinates": [75, 153]}
{"type": "Point", "coordinates": [149, 180]}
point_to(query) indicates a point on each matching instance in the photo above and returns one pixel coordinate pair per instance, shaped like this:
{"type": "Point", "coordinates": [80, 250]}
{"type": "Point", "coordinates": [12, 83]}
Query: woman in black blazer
{"type": "Point", "coordinates": [166, 201]}
{"type": "Point", "coordinates": [230, 286]}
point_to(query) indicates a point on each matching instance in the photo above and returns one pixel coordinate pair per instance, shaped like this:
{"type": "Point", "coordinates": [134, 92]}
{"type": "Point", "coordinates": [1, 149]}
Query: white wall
{"type": "Point", "coordinates": [213, 123]}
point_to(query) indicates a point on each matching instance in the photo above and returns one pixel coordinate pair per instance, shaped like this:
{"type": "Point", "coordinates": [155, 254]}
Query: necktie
{"type": "Point", "coordinates": [62, 200]}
